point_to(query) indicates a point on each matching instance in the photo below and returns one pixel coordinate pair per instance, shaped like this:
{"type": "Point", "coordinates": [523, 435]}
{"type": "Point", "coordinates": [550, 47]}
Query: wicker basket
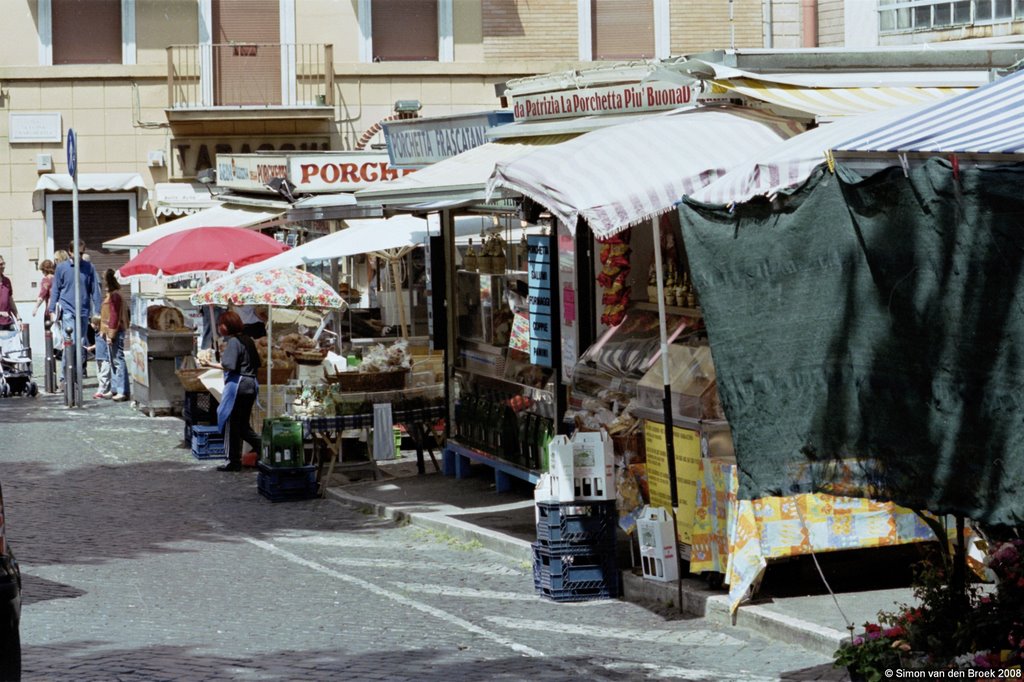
{"type": "Point", "coordinates": [189, 378]}
{"type": "Point", "coordinates": [310, 356]}
{"type": "Point", "coordinates": [279, 374]}
{"type": "Point", "coordinates": [368, 381]}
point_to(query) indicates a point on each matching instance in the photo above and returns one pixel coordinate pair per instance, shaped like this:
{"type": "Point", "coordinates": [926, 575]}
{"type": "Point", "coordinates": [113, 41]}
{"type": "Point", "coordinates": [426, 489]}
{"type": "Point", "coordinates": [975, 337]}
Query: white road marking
{"type": "Point", "coordinates": [401, 599]}
{"type": "Point", "coordinates": [684, 637]}
{"type": "Point", "coordinates": [469, 592]}
{"type": "Point", "coordinates": [672, 672]}
{"type": "Point", "coordinates": [487, 569]}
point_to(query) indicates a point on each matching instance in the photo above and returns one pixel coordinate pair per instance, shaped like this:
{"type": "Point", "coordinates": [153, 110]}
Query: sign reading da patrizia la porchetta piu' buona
{"type": "Point", "coordinates": [624, 98]}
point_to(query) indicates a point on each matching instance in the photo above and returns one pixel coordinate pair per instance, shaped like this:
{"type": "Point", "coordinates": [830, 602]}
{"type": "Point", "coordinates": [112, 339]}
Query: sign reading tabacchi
{"type": "Point", "coordinates": [615, 99]}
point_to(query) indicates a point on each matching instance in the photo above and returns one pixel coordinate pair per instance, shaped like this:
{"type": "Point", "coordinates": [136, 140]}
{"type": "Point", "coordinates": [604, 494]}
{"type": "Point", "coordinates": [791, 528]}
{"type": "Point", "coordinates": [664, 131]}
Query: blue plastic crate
{"type": "Point", "coordinates": [579, 594]}
{"type": "Point", "coordinates": [207, 442]}
{"type": "Point", "coordinates": [284, 484]}
{"type": "Point", "coordinates": [582, 575]}
{"type": "Point", "coordinates": [564, 525]}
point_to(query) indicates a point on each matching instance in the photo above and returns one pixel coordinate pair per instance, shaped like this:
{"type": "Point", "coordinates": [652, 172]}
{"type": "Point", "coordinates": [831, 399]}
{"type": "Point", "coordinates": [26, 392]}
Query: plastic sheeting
{"type": "Point", "coordinates": [869, 337]}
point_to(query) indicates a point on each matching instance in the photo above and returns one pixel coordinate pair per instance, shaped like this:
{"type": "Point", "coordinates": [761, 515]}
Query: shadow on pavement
{"type": "Point", "coordinates": [93, 660]}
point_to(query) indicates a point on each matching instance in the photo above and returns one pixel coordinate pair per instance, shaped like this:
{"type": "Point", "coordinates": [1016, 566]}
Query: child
{"type": "Point", "coordinates": [47, 268]}
{"type": "Point", "coordinates": [102, 353]}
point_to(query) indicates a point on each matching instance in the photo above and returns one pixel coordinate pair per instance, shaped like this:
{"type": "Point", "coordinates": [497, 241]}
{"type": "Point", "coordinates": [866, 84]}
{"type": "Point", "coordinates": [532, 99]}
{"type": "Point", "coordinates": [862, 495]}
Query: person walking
{"type": "Point", "coordinates": [8, 308]}
{"type": "Point", "coordinates": [62, 292]}
{"type": "Point", "coordinates": [240, 362]}
{"type": "Point", "coordinates": [113, 325]}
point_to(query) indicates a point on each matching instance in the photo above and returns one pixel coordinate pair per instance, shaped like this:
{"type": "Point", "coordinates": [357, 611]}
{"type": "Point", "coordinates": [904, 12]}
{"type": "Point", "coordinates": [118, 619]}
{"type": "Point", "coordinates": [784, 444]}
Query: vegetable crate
{"type": "Point", "coordinates": [577, 575]}
{"type": "Point", "coordinates": [283, 485]}
{"type": "Point", "coordinates": [565, 526]}
{"type": "Point", "coordinates": [207, 442]}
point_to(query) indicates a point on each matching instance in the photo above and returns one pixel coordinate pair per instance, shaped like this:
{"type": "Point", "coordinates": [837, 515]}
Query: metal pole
{"type": "Point", "coordinates": [270, 357]}
{"type": "Point", "coordinates": [76, 398]}
{"type": "Point", "coordinates": [49, 376]}
{"type": "Point", "coordinates": [666, 403]}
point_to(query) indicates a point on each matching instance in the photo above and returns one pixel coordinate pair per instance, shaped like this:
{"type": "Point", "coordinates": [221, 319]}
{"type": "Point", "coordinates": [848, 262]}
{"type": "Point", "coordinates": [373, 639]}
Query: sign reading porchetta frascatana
{"type": "Point", "coordinates": [625, 98]}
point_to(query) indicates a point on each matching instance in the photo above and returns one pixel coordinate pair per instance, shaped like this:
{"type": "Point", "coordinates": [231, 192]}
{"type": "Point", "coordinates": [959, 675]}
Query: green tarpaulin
{"type": "Point", "coordinates": [868, 337]}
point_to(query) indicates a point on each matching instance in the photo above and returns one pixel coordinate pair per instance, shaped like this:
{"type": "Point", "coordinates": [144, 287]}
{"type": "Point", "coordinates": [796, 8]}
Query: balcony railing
{"type": "Point", "coordinates": [249, 75]}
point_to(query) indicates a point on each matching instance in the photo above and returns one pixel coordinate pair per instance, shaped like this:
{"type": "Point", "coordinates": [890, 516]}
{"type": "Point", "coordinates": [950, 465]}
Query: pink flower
{"type": "Point", "coordinates": [896, 631]}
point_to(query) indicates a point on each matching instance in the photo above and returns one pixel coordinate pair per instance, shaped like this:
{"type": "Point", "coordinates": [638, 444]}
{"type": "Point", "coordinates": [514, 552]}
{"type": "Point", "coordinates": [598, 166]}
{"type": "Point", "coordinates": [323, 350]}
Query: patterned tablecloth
{"type": "Point", "coordinates": [737, 537]}
{"type": "Point", "coordinates": [365, 419]}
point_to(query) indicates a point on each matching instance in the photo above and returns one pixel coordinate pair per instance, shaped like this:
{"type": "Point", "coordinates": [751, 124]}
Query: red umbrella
{"type": "Point", "coordinates": [201, 251]}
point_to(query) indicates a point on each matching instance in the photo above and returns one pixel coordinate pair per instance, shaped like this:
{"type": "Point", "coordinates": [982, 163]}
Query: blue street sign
{"type": "Point", "coordinates": [72, 153]}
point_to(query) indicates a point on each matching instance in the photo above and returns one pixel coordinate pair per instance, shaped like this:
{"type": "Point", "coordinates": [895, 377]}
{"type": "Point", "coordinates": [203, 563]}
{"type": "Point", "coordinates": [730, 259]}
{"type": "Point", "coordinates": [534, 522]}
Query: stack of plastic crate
{"type": "Point", "coordinates": [200, 408]}
{"type": "Point", "coordinates": [574, 556]}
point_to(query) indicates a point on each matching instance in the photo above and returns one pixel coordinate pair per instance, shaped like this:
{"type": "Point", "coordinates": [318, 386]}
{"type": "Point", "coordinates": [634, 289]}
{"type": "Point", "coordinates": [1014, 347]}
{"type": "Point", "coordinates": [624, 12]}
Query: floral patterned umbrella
{"type": "Point", "coordinates": [278, 287]}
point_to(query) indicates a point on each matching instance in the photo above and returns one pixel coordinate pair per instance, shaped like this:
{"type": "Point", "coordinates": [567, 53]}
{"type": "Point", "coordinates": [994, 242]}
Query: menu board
{"type": "Point", "coordinates": [538, 249]}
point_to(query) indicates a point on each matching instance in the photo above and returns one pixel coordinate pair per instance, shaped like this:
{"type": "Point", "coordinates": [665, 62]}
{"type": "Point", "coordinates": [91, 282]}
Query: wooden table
{"type": "Point", "coordinates": [325, 435]}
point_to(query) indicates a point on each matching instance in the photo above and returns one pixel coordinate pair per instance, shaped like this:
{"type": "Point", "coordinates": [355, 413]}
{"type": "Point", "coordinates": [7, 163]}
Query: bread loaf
{"type": "Point", "coordinates": [164, 318]}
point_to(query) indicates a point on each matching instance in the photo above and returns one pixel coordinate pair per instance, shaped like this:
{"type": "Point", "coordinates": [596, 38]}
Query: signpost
{"type": "Point", "coordinates": [74, 387]}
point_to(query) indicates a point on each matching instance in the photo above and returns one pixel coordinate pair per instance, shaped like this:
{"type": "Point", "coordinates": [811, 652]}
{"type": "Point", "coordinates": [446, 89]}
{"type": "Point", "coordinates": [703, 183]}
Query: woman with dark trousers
{"type": "Point", "coordinates": [240, 363]}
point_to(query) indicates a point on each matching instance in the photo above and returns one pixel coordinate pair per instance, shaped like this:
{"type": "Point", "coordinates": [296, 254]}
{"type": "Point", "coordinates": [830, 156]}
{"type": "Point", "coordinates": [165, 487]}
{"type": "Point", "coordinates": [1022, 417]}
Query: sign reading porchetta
{"type": "Point", "coordinates": [310, 173]}
{"type": "Point", "coordinates": [627, 98]}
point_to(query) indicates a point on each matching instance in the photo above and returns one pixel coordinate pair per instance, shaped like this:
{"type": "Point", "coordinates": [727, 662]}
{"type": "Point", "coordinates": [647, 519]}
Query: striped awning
{"type": "Point", "coordinates": [619, 176]}
{"type": "Point", "coordinates": [461, 177]}
{"type": "Point", "coordinates": [984, 121]}
{"type": "Point", "coordinates": [787, 165]}
{"type": "Point", "coordinates": [828, 94]}
{"type": "Point", "coordinates": [836, 101]}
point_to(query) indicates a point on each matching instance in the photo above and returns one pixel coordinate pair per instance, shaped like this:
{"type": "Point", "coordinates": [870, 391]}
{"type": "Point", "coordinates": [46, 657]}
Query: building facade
{"type": "Point", "coordinates": [155, 89]}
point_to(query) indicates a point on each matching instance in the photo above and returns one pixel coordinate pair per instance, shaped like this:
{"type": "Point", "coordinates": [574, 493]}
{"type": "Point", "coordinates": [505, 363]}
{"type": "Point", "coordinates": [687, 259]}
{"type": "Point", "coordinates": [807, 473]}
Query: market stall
{"type": "Point", "coordinates": [154, 347]}
{"type": "Point", "coordinates": [674, 403]}
{"type": "Point", "coordinates": [159, 339]}
{"type": "Point", "coordinates": [371, 392]}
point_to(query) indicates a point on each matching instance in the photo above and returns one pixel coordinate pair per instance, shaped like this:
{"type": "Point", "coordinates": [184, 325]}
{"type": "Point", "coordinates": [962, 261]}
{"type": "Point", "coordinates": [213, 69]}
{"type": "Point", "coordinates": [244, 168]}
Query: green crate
{"type": "Point", "coordinates": [282, 443]}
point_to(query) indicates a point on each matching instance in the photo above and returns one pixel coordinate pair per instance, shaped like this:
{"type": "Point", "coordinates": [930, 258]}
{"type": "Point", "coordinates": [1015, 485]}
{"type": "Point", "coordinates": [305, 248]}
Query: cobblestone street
{"type": "Point", "coordinates": [141, 563]}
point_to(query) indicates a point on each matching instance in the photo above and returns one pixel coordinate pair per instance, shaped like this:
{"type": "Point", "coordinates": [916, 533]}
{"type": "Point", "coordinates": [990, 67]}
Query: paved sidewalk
{"type": "Point", "coordinates": [792, 606]}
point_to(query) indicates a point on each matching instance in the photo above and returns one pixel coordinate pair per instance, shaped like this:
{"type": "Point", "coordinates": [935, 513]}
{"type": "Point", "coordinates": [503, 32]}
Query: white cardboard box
{"type": "Point", "coordinates": [658, 557]}
{"type": "Point", "coordinates": [593, 466]}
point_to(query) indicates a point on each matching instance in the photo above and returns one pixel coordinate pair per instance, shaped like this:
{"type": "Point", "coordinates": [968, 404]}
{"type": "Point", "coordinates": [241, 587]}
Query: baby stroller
{"type": "Point", "coordinates": [16, 364]}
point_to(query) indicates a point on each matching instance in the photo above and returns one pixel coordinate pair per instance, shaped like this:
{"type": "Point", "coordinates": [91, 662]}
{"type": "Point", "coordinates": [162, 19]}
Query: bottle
{"type": "Point", "coordinates": [545, 434]}
{"type": "Point", "coordinates": [469, 260]}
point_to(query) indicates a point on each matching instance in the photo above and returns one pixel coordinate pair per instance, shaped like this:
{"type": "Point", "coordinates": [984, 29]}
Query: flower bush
{"type": "Point", "coordinates": [948, 629]}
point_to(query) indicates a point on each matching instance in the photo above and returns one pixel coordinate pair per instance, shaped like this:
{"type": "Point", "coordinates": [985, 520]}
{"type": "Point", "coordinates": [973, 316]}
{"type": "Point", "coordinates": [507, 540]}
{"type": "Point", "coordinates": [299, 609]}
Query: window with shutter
{"type": "Point", "coordinates": [247, 52]}
{"type": "Point", "coordinates": [98, 221]}
{"type": "Point", "coordinates": [86, 31]}
{"type": "Point", "coordinates": [404, 30]}
{"type": "Point", "coordinates": [622, 29]}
